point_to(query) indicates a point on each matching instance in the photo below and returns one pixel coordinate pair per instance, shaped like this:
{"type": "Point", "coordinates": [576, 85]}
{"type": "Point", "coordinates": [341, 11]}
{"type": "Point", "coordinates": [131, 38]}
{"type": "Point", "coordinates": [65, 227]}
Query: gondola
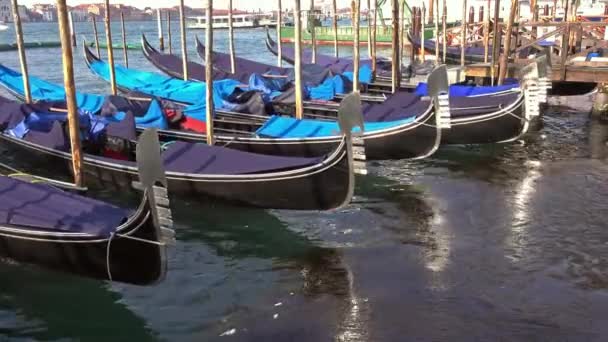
{"type": "Point", "coordinates": [172, 66]}
{"type": "Point", "coordinates": [472, 54]}
{"type": "Point", "coordinates": [493, 115]}
{"type": "Point", "coordinates": [196, 170]}
{"type": "Point", "coordinates": [413, 138]}
{"type": "Point", "coordinates": [63, 231]}
{"type": "Point", "coordinates": [336, 65]}
{"type": "Point", "coordinates": [408, 131]}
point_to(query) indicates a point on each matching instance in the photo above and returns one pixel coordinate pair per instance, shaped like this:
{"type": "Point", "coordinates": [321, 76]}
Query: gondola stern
{"type": "Point", "coordinates": [439, 90]}
{"type": "Point", "coordinates": [350, 116]}
{"type": "Point", "coordinates": [153, 182]}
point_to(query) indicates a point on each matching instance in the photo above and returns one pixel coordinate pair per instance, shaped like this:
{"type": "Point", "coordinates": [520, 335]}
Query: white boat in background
{"type": "Point", "coordinates": [3, 27]}
{"type": "Point", "coordinates": [238, 21]}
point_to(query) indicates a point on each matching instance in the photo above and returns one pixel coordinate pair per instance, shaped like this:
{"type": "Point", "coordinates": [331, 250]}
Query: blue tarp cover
{"type": "Point", "coordinates": [286, 127]}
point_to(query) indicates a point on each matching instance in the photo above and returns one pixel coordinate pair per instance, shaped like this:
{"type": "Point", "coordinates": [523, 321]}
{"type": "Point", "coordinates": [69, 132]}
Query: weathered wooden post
{"type": "Point", "coordinates": [182, 29]}
{"type": "Point", "coordinates": [471, 17]}
{"type": "Point", "coordinates": [369, 29]}
{"type": "Point", "coordinates": [334, 10]}
{"type": "Point", "coordinates": [535, 20]}
{"type": "Point", "coordinates": [431, 19]}
{"type": "Point", "coordinates": [72, 33]}
{"type": "Point", "coordinates": [311, 27]}
{"type": "Point", "coordinates": [497, 38]}
{"type": "Point", "coordinates": [436, 32]}
{"type": "Point", "coordinates": [96, 35]}
{"type": "Point", "coordinates": [231, 39]}
{"type": "Point", "coordinates": [395, 65]}
{"type": "Point", "coordinates": [124, 39]}
{"type": "Point", "coordinates": [169, 35]}
{"type": "Point", "coordinates": [504, 61]}
{"type": "Point", "coordinates": [486, 35]}
{"type": "Point", "coordinates": [209, 73]}
{"type": "Point", "coordinates": [298, 59]}
{"type": "Point", "coordinates": [422, 31]}
{"type": "Point", "coordinates": [463, 35]}
{"type": "Point", "coordinates": [356, 7]}
{"type": "Point", "coordinates": [110, 48]}
{"type": "Point", "coordinates": [374, 32]}
{"type": "Point", "coordinates": [161, 38]}
{"type": "Point", "coordinates": [401, 35]}
{"type": "Point", "coordinates": [21, 48]}
{"type": "Point", "coordinates": [279, 42]}
{"type": "Point", "coordinates": [70, 92]}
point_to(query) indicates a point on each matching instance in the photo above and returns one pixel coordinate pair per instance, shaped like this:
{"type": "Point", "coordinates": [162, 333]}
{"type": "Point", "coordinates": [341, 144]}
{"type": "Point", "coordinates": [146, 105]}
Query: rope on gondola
{"type": "Point", "coordinates": [108, 268]}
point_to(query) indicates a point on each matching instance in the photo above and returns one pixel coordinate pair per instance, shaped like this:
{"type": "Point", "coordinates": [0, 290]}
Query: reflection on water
{"type": "Point", "coordinates": [493, 242]}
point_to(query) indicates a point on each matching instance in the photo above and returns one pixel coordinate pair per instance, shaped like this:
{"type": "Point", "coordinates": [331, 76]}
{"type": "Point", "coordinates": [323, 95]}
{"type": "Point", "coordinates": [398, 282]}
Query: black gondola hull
{"type": "Point", "coordinates": [320, 187]}
{"type": "Point", "coordinates": [129, 260]}
{"type": "Point", "coordinates": [502, 126]}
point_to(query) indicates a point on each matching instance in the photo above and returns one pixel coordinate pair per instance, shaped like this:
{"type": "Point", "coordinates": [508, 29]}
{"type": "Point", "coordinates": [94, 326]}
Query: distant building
{"type": "Point", "coordinates": [5, 11]}
{"type": "Point", "coordinates": [24, 13]}
{"type": "Point", "coordinates": [48, 12]}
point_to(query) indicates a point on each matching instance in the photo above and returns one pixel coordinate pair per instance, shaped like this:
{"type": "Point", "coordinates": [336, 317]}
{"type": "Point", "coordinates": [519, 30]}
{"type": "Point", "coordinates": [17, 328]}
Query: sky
{"type": "Point", "coordinates": [265, 5]}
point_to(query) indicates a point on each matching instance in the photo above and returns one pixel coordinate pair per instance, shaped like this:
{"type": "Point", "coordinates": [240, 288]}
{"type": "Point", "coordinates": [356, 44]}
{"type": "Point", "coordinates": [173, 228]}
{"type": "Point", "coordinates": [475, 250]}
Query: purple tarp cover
{"type": "Point", "coordinates": [45, 208]}
{"type": "Point", "coordinates": [204, 159]}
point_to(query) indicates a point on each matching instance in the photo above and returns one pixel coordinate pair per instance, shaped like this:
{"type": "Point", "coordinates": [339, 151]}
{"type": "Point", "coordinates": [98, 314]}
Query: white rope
{"type": "Point", "coordinates": [108, 257]}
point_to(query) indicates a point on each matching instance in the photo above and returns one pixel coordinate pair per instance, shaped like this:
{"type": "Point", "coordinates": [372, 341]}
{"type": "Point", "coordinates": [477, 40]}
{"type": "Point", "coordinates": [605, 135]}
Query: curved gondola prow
{"type": "Point", "coordinates": [201, 51]}
{"type": "Point", "coordinates": [439, 91]}
{"type": "Point", "coordinates": [529, 76]}
{"type": "Point", "coordinates": [89, 56]}
{"type": "Point", "coordinates": [153, 182]}
{"type": "Point", "coordinates": [146, 47]}
{"type": "Point", "coordinates": [350, 116]}
{"type": "Point", "coordinates": [272, 47]}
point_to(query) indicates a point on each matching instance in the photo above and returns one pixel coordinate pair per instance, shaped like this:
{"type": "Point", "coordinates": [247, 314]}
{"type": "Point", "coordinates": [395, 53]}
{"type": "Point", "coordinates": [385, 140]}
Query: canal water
{"type": "Point", "coordinates": [488, 243]}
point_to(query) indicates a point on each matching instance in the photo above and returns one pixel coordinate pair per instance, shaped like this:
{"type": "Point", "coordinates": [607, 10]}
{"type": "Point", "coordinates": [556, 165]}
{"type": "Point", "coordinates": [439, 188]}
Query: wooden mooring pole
{"type": "Point", "coordinates": [298, 60]}
{"type": "Point", "coordinates": [463, 34]}
{"type": "Point", "coordinates": [311, 27]}
{"type": "Point", "coordinates": [486, 35]}
{"type": "Point", "coordinates": [96, 35]}
{"type": "Point", "coordinates": [279, 43]}
{"type": "Point", "coordinates": [369, 28]}
{"type": "Point", "coordinates": [72, 33]}
{"type": "Point", "coordinates": [422, 31]}
{"type": "Point", "coordinates": [209, 72]}
{"type": "Point", "coordinates": [231, 39]}
{"type": "Point", "coordinates": [395, 65]}
{"type": "Point", "coordinates": [504, 61]}
{"type": "Point", "coordinates": [124, 39]}
{"type": "Point", "coordinates": [496, 41]}
{"type": "Point", "coordinates": [334, 11]}
{"type": "Point", "coordinates": [401, 35]}
{"type": "Point", "coordinates": [444, 30]}
{"type": "Point", "coordinates": [374, 32]}
{"type": "Point", "coordinates": [436, 31]}
{"type": "Point", "coordinates": [356, 7]}
{"type": "Point", "coordinates": [182, 38]}
{"type": "Point", "coordinates": [70, 92]}
{"type": "Point", "coordinates": [21, 48]}
{"type": "Point", "coordinates": [161, 38]}
{"type": "Point", "coordinates": [110, 49]}
{"type": "Point", "coordinates": [169, 34]}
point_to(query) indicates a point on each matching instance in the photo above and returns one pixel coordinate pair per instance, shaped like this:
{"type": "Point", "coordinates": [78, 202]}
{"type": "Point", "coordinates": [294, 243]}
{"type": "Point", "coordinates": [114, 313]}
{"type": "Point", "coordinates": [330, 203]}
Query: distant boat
{"type": "Point", "coordinates": [238, 21]}
{"type": "Point", "coordinates": [3, 27]}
